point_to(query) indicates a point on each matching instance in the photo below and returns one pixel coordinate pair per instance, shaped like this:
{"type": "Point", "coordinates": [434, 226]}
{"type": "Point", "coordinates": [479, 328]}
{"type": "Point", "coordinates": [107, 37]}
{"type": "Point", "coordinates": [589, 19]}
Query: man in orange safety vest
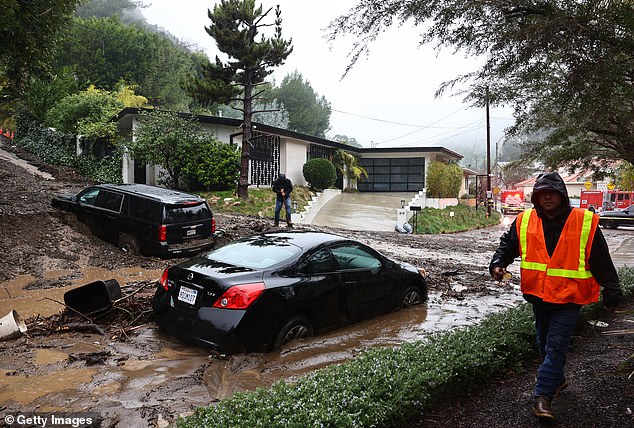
{"type": "Point", "coordinates": [564, 262]}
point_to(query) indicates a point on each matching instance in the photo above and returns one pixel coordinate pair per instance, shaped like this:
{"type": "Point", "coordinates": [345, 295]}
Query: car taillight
{"type": "Point", "coordinates": [165, 283]}
{"type": "Point", "coordinates": [162, 233]}
{"type": "Point", "coordinates": [240, 296]}
{"type": "Point", "coordinates": [213, 225]}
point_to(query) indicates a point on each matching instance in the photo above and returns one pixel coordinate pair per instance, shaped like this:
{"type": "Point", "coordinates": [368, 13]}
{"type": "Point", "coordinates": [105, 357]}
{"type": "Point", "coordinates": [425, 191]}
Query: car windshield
{"type": "Point", "coordinates": [186, 213]}
{"type": "Point", "coordinates": [255, 253]}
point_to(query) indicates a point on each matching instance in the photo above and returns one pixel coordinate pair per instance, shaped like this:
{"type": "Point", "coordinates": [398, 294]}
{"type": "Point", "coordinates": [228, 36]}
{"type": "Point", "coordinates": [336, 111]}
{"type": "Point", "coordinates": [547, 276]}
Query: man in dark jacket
{"type": "Point", "coordinates": [283, 188]}
{"type": "Point", "coordinates": [564, 262]}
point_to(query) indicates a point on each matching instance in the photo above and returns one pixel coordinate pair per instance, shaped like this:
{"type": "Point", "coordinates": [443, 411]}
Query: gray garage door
{"type": "Point", "coordinates": [393, 174]}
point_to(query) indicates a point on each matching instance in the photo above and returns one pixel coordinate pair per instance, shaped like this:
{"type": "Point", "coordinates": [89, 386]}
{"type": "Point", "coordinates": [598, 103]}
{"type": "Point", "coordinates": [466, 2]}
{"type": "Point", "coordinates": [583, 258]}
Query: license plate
{"type": "Point", "coordinates": [191, 232]}
{"type": "Point", "coordinates": [187, 295]}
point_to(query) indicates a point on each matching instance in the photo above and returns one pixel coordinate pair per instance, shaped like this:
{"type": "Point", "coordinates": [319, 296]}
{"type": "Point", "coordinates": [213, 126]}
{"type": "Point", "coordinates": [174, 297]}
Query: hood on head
{"type": "Point", "coordinates": [282, 176]}
{"type": "Point", "coordinates": [550, 181]}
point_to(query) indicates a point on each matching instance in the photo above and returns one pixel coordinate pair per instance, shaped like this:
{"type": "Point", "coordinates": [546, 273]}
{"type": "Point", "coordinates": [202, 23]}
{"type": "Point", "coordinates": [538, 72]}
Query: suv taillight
{"type": "Point", "coordinates": [213, 225]}
{"type": "Point", "coordinates": [165, 283]}
{"type": "Point", "coordinates": [162, 233]}
{"type": "Point", "coordinates": [239, 296]}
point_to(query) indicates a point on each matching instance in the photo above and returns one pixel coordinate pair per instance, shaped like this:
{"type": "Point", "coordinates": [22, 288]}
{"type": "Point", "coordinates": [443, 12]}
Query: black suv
{"type": "Point", "coordinates": [144, 219]}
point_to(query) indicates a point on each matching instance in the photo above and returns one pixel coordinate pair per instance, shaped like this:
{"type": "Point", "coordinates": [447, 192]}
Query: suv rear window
{"type": "Point", "coordinates": [186, 213]}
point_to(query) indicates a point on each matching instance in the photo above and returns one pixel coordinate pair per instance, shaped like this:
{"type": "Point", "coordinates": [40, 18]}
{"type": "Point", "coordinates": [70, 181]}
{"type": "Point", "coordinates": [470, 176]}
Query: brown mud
{"type": "Point", "coordinates": [133, 374]}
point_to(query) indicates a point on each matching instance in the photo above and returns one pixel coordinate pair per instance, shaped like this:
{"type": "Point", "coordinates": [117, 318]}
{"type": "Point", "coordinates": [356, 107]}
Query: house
{"type": "Point", "coordinates": [575, 183]}
{"type": "Point", "coordinates": [276, 150]}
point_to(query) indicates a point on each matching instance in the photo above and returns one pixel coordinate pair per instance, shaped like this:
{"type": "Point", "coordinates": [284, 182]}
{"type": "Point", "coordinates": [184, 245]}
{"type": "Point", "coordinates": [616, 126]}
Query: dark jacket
{"type": "Point", "coordinates": [282, 183]}
{"type": "Point", "coordinates": [600, 262]}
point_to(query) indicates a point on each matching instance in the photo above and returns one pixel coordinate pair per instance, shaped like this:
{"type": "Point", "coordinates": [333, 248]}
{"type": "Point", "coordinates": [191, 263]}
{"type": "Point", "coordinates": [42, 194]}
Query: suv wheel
{"type": "Point", "coordinates": [128, 244]}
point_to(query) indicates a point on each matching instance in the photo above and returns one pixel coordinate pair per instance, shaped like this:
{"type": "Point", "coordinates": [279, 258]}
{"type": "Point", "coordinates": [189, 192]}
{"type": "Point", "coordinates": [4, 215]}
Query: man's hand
{"type": "Point", "coordinates": [498, 273]}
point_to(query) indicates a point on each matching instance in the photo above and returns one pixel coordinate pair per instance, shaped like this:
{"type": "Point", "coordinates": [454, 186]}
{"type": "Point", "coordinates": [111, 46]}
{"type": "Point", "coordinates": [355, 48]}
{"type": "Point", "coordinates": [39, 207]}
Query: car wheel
{"type": "Point", "coordinates": [412, 296]}
{"type": "Point", "coordinates": [295, 328]}
{"type": "Point", "coordinates": [128, 244]}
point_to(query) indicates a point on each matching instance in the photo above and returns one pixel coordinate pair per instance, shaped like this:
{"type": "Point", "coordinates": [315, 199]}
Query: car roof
{"type": "Point", "coordinates": [305, 239]}
{"type": "Point", "coordinates": [161, 194]}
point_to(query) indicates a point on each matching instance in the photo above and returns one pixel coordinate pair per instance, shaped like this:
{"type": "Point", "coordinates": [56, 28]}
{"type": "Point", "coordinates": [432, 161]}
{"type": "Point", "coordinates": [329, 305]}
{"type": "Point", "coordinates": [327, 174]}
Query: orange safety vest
{"type": "Point", "coordinates": [563, 277]}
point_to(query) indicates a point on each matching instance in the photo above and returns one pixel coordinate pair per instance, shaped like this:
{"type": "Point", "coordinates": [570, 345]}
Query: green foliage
{"type": "Point", "coordinates": [191, 157]}
{"type": "Point", "coordinates": [28, 33]}
{"type": "Point", "coordinates": [210, 164]}
{"type": "Point", "coordinates": [348, 165]}
{"type": "Point", "coordinates": [307, 112]}
{"type": "Point", "coordinates": [320, 173]}
{"type": "Point", "coordinates": [89, 113]}
{"type": "Point", "coordinates": [625, 177]}
{"type": "Point", "coordinates": [59, 148]}
{"type": "Point", "coordinates": [434, 221]}
{"type": "Point", "coordinates": [443, 180]}
{"type": "Point", "coordinates": [41, 94]}
{"type": "Point", "coordinates": [564, 66]}
{"type": "Point", "coordinates": [106, 52]}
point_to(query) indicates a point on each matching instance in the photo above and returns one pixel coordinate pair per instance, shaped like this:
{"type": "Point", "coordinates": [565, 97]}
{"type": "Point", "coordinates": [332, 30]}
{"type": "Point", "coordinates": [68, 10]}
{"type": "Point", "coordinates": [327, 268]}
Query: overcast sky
{"type": "Point", "coordinates": [387, 98]}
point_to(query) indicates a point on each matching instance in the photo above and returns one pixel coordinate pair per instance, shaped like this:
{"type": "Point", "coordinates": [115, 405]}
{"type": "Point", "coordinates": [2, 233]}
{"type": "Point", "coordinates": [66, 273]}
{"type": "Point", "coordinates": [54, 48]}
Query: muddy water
{"type": "Point", "coordinates": [29, 299]}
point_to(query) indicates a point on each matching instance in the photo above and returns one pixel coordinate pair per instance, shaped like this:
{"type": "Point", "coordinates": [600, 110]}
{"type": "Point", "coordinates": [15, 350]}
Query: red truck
{"type": "Point", "coordinates": [512, 201]}
{"type": "Point", "coordinates": [606, 200]}
{"type": "Point", "coordinates": [592, 200]}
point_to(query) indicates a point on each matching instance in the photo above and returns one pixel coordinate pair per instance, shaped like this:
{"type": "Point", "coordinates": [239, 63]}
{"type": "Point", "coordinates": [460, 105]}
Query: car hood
{"type": "Point", "coordinates": [617, 213]}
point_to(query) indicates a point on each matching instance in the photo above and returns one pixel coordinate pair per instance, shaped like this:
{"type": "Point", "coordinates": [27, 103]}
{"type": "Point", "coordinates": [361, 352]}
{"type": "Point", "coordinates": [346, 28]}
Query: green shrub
{"type": "Point", "coordinates": [381, 387]}
{"type": "Point", "coordinates": [211, 165]}
{"type": "Point", "coordinates": [320, 173]}
{"type": "Point", "coordinates": [59, 148]}
{"type": "Point", "coordinates": [444, 180]}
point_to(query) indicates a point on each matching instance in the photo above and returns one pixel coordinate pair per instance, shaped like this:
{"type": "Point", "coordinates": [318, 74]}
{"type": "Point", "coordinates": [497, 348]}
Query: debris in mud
{"type": "Point", "coordinates": [91, 358]}
{"type": "Point", "coordinates": [127, 313]}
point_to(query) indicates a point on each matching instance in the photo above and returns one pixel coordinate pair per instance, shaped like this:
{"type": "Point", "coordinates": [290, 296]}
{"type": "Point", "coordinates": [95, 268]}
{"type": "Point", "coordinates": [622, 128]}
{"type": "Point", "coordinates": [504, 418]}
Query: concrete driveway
{"type": "Point", "coordinates": [362, 211]}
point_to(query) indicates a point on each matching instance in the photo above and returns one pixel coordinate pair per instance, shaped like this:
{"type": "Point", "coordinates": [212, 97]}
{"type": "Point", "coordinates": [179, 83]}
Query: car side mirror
{"type": "Point", "coordinates": [389, 264]}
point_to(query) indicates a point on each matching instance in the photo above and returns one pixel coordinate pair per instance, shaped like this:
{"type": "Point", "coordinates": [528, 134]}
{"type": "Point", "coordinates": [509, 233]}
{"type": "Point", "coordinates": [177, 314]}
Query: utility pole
{"type": "Point", "coordinates": [489, 191]}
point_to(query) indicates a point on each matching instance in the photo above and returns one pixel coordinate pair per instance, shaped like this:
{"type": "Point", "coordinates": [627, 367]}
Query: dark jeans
{"type": "Point", "coordinates": [278, 207]}
{"type": "Point", "coordinates": [554, 325]}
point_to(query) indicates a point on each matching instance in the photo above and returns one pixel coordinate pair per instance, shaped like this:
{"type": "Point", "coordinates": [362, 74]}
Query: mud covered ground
{"type": "Point", "coordinates": [131, 374]}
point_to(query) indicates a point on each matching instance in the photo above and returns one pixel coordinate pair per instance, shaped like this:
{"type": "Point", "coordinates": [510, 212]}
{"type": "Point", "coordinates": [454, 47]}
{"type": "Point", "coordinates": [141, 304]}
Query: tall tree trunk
{"type": "Point", "coordinates": [247, 133]}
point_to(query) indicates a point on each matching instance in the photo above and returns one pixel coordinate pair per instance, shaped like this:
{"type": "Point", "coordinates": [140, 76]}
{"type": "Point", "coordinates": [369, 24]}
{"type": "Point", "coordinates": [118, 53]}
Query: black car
{"type": "Point", "coordinates": [614, 219]}
{"type": "Point", "coordinates": [144, 219]}
{"type": "Point", "coordinates": [260, 292]}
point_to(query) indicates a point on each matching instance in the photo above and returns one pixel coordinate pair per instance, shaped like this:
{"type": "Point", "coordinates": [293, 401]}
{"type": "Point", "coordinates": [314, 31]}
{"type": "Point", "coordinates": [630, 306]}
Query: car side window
{"type": "Point", "coordinates": [353, 257]}
{"type": "Point", "coordinates": [320, 262]}
{"type": "Point", "coordinates": [89, 196]}
{"type": "Point", "coordinates": [144, 209]}
{"type": "Point", "coordinates": [109, 200]}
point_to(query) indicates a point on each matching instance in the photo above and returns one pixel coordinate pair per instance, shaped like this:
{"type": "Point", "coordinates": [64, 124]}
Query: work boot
{"type": "Point", "coordinates": [289, 224]}
{"type": "Point", "coordinates": [277, 223]}
{"type": "Point", "coordinates": [542, 408]}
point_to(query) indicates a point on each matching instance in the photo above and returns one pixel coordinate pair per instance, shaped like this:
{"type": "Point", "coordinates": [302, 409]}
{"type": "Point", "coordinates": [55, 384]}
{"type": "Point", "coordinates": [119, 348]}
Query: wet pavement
{"type": "Point", "coordinates": [362, 211]}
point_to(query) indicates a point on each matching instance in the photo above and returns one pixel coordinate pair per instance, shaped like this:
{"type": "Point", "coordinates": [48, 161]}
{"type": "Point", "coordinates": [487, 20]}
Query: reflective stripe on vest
{"type": "Point", "coordinates": [523, 239]}
{"type": "Point", "coordinates": [581, 272]}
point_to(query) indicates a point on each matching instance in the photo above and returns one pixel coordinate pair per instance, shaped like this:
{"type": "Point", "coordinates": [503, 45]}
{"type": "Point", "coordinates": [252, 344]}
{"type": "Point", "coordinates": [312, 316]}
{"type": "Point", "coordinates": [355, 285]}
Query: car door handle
{"type": "Point", "coordinates": [351, 283]}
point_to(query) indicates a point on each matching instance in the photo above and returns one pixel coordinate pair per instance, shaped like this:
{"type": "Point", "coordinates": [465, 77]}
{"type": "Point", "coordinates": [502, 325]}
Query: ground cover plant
{"type": "Point", "coordinates": [454, 219]}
